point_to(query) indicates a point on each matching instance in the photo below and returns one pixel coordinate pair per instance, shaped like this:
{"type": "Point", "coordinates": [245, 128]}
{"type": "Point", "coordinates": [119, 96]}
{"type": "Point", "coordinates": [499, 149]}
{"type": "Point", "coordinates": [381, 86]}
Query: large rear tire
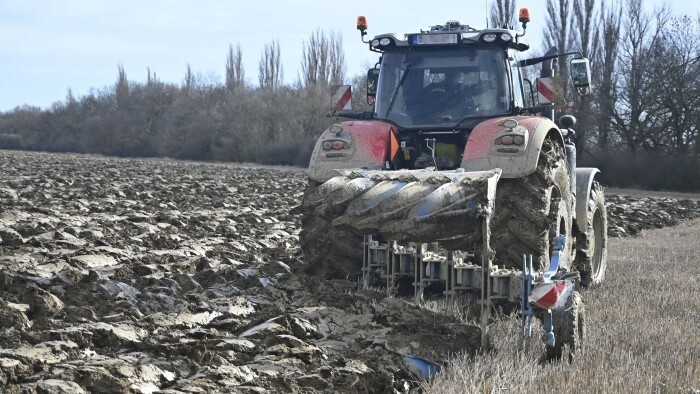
{"type": "Point", "coordinates": [533, 209]}
{"type": "Point", "coordinates": [328, 251]}
{"type": "Point", "coordinates": [592, 243]}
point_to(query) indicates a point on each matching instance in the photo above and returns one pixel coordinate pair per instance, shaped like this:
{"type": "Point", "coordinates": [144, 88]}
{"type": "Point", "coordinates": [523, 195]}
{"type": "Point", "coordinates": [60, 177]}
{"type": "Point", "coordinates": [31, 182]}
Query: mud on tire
{"type": "Point", "coordinates": [531, 210]}
{"type": "Point", "coordinates": [569, 329]}
{"type": "Point", "coordinates": [592, 242]}
{"type": "Point", "coordinates": [328, 251]}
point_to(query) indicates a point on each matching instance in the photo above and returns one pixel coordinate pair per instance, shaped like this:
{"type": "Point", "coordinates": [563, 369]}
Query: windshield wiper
{"type": "Point", "coordinates": [396, 91]}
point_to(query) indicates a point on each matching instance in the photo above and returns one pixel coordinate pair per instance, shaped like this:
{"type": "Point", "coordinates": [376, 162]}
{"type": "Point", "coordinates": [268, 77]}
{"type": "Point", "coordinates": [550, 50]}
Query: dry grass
{"type": "Point", "coordinates": [643, 329]}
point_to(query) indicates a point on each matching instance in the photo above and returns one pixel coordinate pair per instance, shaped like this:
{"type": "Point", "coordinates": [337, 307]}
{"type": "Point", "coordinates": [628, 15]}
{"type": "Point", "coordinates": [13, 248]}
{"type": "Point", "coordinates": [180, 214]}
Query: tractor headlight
{"type": "Point", "coordinates": [384, 41]}
{"type": "Point", "coordinates": [510, 123]}
{"type": "Point", "coordinates": [507, 140]}
{"type": "Point", "coordinates": [489, 37]}
{"type": "Point", "coordinates": [375, 43]}
{"type": "Point", "coordinates": [335, 129]}
{"type": "Point", "coordinates": [506, 37]}
{"type": "Point", "coordinates": [511, 139]}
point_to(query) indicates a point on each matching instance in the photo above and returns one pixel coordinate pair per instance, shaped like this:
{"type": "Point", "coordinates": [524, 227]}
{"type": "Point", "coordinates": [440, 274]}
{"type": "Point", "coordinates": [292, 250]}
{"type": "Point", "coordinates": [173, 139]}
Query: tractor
{"type": "Point", "coordinates": [458, 178]}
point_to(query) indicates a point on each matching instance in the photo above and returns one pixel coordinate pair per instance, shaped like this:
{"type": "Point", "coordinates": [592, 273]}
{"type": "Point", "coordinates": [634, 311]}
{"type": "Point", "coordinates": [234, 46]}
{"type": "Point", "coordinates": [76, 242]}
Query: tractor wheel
{"type": "Point", "coordinates": [328, 251]}
{"type": "Point", "coordinates": [592, 243]}
{"type": "Point", "coordinates": [569, 328]}
{"type": "Point", "coordinates": [533, 209]}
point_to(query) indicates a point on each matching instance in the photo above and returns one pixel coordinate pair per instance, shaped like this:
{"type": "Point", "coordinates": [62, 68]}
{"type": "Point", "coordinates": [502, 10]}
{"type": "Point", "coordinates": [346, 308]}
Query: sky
{"type": "Point", "coordinates": [49, 46]}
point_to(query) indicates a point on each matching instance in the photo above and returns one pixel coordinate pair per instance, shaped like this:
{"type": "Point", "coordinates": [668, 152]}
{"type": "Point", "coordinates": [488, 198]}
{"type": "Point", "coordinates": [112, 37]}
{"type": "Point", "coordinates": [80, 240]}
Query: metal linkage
{"type": "Point", "coordinates": [393, 261]}
{"type": "Point", "coordinates": [504, 284]}
{"type": "Point", "coordinates": [375, 260]}
{"type": "Point", "coordinates": [431, 268]}
{"type": "Point", "coordinates": [423, 262]}
{"type": "Point", "coordinates": [526, 310]}
{"type": "Point", "coordinates": [402, 264]}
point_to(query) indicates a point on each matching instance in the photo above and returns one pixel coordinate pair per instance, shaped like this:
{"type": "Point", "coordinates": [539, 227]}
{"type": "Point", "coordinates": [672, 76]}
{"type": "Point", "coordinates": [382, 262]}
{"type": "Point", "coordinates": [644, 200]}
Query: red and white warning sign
{"type": "Point", "coordinates": [552, 295]}
{"type": "Point", "coordinates": [545, 90]}
{"type": "Point", "coordinates": [341, 97]}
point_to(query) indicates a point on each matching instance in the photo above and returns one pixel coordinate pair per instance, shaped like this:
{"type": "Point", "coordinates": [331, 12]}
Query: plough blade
{"type": "Point", "coordinates": [409, 205]}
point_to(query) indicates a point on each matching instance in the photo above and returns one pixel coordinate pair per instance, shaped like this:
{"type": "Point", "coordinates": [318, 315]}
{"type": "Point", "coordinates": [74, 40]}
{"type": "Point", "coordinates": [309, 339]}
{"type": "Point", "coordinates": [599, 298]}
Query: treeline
{"type": "Point", "coordinates": [640, 125]}
{"type": "Point", "coordinates": [198, 119]}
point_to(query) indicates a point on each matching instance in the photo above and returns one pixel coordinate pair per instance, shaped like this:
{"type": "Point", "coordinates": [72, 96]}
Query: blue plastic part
{"type": "Point", "coordinates": [427, 368]}
{"type": "Point", "coordinates": [549, 339]}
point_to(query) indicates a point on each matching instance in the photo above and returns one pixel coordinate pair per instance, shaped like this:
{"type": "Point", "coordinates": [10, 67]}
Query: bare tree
{"type": "Point", "coordinates": [605, 76]}
{"type": "Point", "coordinates": [676, 86]}
{"type": "Point", "coordinates": [586, 35]}
{"type": "Point", "coordinates": [188, 81]}
{"type": "Point", "coordinates": [502, 13]}
{"type": "Point", "coordinates": [337, 59]}
{"type": "Point", "coordinates": [121, 87]}
{"type": "Point", "coordinates": [70, 98]}
{"type": "Point", "coordinates": [558, 33]}
{"type": "Point", "coordinates": [636, 109]}
{"type": "Point", "coordinates": [151, 77]}
{"type": "Point", "coordinates": [270, 67]}
{"type": "Point", "coordinates": [323, 59]}
{"type": "Point", "coordinates": [235, 75]}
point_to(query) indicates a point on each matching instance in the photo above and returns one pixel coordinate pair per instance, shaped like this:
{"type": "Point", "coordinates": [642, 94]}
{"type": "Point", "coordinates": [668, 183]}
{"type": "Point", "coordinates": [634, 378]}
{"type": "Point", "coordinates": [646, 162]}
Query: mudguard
{"type": "Point", "coordinates": [482, 154]}
{"type": "Point", "coordinates": [366, 145]}
{"type": "Point", "coordinates": [584, 182]}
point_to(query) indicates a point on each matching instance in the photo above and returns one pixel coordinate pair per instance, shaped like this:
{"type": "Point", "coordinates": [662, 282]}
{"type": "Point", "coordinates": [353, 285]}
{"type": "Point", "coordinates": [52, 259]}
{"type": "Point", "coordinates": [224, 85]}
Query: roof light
{"type": "Point", "coordinates": [524, 15]}
{"type": "Point", "coordinates": [506, 37]}
{"type": "Point", "coordinates": [489, 37]}
{"type": "Point", "coordinates": [375, 43]}
{"type": "Point", "coordinates": [384, 41]}
{"type": "Point", "coordinates": [361, 23]}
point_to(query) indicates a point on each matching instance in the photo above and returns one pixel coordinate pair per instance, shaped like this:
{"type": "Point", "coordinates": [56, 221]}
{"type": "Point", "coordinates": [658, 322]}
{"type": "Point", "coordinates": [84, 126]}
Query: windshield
{"type": "Point", "coordinates": [441, 88]}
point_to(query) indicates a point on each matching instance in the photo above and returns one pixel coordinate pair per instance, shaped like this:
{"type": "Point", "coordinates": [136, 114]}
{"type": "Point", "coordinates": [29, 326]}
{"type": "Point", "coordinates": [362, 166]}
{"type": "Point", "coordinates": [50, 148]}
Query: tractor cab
{"type": "Point", "coordinates": [436, 85]}
{"type": "Point", "coordinates": [448, 77]}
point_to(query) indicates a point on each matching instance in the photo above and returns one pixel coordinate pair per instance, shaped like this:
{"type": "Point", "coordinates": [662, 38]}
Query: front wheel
{"type": "Point", "coordinates": [592, 242]}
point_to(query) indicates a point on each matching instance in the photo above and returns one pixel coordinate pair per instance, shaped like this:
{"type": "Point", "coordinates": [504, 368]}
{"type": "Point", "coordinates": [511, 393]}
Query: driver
{"type": "Point", "coordinates": [451, 83]}
{"type": "Point", "coordinates": [448, 99]}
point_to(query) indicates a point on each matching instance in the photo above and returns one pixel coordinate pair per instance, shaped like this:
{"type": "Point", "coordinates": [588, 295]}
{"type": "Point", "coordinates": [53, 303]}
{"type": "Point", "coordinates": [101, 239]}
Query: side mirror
{"type": "Point", "coordinates": [372, 81]}
{"type": "Point", "coordinates": [580, 69]}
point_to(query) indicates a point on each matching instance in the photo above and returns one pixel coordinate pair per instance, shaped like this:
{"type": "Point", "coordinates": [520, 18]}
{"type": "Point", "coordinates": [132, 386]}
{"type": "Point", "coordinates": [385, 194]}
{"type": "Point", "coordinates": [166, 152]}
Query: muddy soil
{"type": "Point", "coordinates": [148, 276]}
